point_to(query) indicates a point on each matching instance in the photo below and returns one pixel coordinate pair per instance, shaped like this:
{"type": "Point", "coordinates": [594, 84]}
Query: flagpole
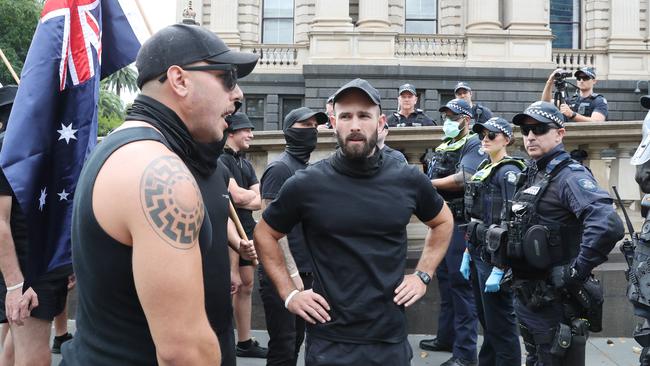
{"type": "Point", "coordinates": [11, 69]}
{"type": "Point", "coordinates": [144, 17]}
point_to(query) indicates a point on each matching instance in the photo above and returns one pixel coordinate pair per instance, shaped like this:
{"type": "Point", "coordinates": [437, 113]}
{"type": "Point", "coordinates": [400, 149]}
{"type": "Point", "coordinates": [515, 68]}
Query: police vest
{"type": "Point", "coordinates": [446, 157]}
{"type": "Point", "coordinates": [584, 106]}
{"type": "Point", "coordinates": [478, 190]}
{"type": "Point", "coordinates": [419, 118]}
{"type": "Point", "coordinates": [536, 244]}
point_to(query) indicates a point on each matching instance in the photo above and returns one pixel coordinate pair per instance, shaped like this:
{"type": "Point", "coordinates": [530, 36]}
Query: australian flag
{"type": "Point", "coordinates": [53, 124]}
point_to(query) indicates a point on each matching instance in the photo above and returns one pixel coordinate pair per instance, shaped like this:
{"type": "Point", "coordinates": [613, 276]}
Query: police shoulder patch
{"type": "Point", "coordinates": [481, 151]}
{"type": "Point", "coordinates": [587, 185]}
{"type": "Point", "coordinates": [511, 177]}
{"type": "Point", "coordinates": [576, 167]}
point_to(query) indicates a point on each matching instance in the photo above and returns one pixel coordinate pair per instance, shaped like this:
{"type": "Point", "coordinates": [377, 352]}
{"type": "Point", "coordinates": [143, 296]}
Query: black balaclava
{"type": "Point", "coordinates": [300, 142]}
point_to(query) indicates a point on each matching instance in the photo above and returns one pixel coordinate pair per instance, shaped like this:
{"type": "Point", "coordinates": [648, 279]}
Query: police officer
{"type": "Point", "coordinates": [486, 195]}
{"type": "Point", "coordinates": [640, 252]}
{"type": "Point", "coordinates": [387, 150]}
{"type": "Point", "coordinates": [585, 107]}
{"type": "Point", "coordinates": [455, 160]}
{"type": "Point", "coordinates": [561, 226]}
{"type": "Point", "coordinates": [407, 115]}
{"type": "Point", "coordinates": [480, 113]}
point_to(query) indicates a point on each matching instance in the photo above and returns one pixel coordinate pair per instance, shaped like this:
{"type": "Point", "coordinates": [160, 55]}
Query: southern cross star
{"type": "Point", "coordinates": [67, 133]}
{"type": "Point", "coordinates": [63, 195]}
{"type": "Point", "coordinates": [41, 199]}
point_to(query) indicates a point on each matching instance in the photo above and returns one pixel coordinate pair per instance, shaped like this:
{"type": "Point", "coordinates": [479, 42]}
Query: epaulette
{"type": "Point", "coordinates": [576, 167]}
{"type": "Point", "coordinates": [418, 110]}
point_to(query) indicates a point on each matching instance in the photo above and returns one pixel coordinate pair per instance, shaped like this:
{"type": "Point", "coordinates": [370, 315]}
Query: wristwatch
{"type": "Point", "coordinates": [423, 276]}
{"type": "Point", "coordinates": [574, 115]}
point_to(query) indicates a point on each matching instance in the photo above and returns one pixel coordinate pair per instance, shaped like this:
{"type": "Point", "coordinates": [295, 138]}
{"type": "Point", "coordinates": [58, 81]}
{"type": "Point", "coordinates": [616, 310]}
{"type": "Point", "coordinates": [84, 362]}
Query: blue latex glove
{"type": "Point", "coordinates": [464, 265]}
{"type": "Point", "coordinates": [492, 283]}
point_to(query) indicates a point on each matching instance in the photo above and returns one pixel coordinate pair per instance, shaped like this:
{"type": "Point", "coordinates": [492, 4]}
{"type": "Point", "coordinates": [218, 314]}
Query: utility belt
{"type": "Point", "coordinates": [536, 247]}
{"type": "Point", "coordinates": [457, 207]}
{"type": "Point", "coordinates": [568, 335]}
{"type": "Point", "coordinates": [476, 237]}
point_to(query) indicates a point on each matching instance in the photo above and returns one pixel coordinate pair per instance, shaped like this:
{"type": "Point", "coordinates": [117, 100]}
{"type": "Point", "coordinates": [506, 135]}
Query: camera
{"type": "Point", "coordinates": [561, 75]}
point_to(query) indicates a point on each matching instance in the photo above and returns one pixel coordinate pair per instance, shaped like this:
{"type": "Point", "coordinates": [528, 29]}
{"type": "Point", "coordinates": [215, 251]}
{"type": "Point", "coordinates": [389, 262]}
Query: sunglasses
{"type": "Point", "coordinates": [229, 77]}
{"type": "Point", "coordinates": [538, 129]}
{"type": "Point", "coordinates": [583, 78]}
{"type": "Point", "coordinates": [491, 135]}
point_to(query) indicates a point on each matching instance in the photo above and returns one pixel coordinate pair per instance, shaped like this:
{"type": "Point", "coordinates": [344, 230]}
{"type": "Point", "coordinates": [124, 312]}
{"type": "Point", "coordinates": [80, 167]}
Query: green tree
{"type": "Point", "coordinates": [18, 20]}
{"type": "Point", "coordinates": [124, 79]}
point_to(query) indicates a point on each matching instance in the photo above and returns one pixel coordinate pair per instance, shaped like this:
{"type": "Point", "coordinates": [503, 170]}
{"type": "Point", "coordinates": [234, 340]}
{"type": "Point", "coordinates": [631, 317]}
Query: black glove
{"type": "Point", "coordinates": [565, 276]}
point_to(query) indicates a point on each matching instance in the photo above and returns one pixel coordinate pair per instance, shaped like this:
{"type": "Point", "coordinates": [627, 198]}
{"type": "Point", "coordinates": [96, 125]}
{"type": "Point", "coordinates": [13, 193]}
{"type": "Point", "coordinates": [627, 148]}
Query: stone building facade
{"type": "Point", "coordinates": [503, 48]}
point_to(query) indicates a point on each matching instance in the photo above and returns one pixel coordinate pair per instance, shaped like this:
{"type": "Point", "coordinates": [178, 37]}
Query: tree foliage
{"type": "Point", "coordinates": [122, 80]}
{"type": "Point", "coordinates": [18, 20]}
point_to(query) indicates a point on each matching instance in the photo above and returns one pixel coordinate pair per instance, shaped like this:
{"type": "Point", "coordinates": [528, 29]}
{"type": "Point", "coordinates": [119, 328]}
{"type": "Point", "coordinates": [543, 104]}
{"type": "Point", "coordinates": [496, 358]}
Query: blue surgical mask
{"type": "Point", "coordinates": [450, 128]}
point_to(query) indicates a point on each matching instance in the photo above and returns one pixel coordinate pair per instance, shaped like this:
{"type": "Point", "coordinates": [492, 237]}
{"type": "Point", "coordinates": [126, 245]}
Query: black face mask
{"type": "Point", "coordinates": [214, 149]}
{"type": "Point", "coordinates": [300, 142]}
{"type": "Point", "coordinates": [200, 158]}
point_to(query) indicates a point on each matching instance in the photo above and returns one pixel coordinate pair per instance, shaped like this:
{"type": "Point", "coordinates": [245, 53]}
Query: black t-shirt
{"type": "Point", "coordinates": [274, 176]}
{"type": "Point", "coordinates": [244, 174]}
{"type": "Point", "coordinates": [17, 222]}
{"type": "Point", "coordinates": [355, 231]}
{"type": "Point", "coordinates": [216, 263]}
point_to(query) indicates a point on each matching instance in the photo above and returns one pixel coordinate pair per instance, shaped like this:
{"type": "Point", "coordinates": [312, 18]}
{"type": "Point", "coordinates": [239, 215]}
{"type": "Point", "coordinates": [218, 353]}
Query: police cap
{"type": "Point", "coordinates": [587, 71]}
{"type": "Point", "coordinates": [544, 112]}
{"type": "Point", "coordinates": [407, 88]}
{"type": "Point", "coordinates": [494, 124]}
{"type": "Point", "coordinates": [457, 106]}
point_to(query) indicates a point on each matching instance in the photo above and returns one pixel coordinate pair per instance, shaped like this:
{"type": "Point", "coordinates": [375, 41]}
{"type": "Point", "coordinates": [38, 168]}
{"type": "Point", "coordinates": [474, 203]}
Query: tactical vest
{"type": "Point", "coordinates": [535, 243]}
{"type": "Point", "coordinates": [585, 106]}
{"type": "Point", "coordinates": [419, 118]}
{"type": "Point", "coordinates": [447, 157]}
{"type": "Point", "coordinates": [638, 289]}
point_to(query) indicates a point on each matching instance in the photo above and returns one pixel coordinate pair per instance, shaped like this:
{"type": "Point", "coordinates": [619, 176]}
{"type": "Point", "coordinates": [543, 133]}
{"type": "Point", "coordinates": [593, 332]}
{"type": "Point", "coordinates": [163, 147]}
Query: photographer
{"type": "Point", "coordinates": [586, 107]}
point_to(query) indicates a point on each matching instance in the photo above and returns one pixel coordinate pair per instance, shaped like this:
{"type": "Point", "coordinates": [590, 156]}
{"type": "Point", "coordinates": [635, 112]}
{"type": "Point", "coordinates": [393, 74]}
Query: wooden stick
{"type": "Point", "coordinates": [11, 69]}
{"type": "Point", "coordinates": [144, 17]}
{"type": "Point", "coordinates": [238, 225]}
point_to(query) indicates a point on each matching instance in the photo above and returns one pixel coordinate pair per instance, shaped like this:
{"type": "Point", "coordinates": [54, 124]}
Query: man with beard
{"type": "Point", "coordinates": [286, 330]}
{"type": "Point", "coordinates": [354, 225]}
{"type": "Point", "coordinates": [138, 228]}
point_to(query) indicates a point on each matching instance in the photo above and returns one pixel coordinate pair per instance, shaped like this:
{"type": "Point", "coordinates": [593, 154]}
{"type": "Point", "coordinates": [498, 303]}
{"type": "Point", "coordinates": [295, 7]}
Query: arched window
{"type": "Point", "coordinates": [565, 23]}
{"type": "Point", "coordinates": [421, 17]}
{"type": "Point", "coordinates": [277, 22]}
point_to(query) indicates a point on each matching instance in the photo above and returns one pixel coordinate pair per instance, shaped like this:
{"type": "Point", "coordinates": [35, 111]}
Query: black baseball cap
{"type": "Point", "coordinates": [362, 85]}
{"type": "Point", "coordinates": [544, 112]}
{"type": "Point", "coordinates": [301, 114]}
{"type": "Point", "coordinates": [238, 121]}
{"type": "Point", "coordinates": [183, 44]}
{"type": "Point", "coordinates": [407, 87]}
{"type": "Point", "coordinates": [8, 94]}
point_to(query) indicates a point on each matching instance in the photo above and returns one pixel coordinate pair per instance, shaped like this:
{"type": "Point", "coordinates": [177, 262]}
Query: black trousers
{"type": "Point", "coordinates": [286, 330]}
{"type": "Point", "coordinates": [321, 352]}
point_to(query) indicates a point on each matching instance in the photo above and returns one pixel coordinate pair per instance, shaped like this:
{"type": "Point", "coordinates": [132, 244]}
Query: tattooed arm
{"type": "Point", "coordinates": [156, 207]}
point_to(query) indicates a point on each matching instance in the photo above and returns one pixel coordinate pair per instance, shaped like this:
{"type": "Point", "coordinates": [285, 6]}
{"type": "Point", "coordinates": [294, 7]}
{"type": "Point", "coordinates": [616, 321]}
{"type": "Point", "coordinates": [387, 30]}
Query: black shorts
{"type": "Point", "coordinates": [52, 291]}
{"type": "Point", "coordinates": [320, 351]}
{"type": "Point", "coordinates": [243, 262]}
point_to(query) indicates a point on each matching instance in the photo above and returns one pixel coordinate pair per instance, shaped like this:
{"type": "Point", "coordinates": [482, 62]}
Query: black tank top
{"type": "Point", "coordinates": [111, 326]}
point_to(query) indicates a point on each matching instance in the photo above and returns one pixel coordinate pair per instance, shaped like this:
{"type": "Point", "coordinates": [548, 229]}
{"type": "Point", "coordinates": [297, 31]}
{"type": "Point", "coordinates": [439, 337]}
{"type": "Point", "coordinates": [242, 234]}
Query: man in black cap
{"type": "Point", "coordinates": [480, 113]}
{"type": "Point", "coordinates": [355, 234]}
{"type": "Point", "coordinates": [244, 189]}
{"type": "Point", "coordinates": [138, 228]}
{"type": "Point", "coordinates": [455, 160]}
{"type": "Point", "coordinates": [286, 330]}
{"type": "Point", "coordinates": [407, 115]}
{"type": "Point", "coordinates": [585, 107]}
{"type": "Point", "coordinates": [561, 226]}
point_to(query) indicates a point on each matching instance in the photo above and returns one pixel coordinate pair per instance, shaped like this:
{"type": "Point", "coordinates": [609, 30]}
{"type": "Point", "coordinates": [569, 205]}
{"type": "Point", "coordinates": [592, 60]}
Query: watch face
{"type": "Point", "coordinates": [424, 277]}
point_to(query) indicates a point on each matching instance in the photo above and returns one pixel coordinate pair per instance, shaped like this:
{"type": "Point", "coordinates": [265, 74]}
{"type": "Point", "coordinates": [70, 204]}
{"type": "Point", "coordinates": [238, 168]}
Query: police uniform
{"type": "Point", "coordinates": [588, 105]}
{"type": "Point", "coordinates": [457, 321]}
{"type": "Point", "coordinates": [561, 225]}
{"type": "Point", "coordinates": [415, 119]}
{"type": "Point", "coordinates": [486, 195]}
{"type": "Point", "coordinates": [481, 113]}
{"type": "Point", "coordinates": [637, 252]}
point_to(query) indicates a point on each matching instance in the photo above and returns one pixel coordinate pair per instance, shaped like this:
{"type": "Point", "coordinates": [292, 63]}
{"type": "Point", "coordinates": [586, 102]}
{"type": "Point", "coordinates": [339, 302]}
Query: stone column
{"type": "Point", "coordinates": [373, 14]}
{"type": "Point", "coordinates": [332, 15]}
{"type": "Point", "coordinates": [526, 15]}
{"type": "Point", "coordinates": [625, 24]}
{"type": "Point", "coordinates": [483, 14]}
{"type": "Point", "coordinates": [224, 21]}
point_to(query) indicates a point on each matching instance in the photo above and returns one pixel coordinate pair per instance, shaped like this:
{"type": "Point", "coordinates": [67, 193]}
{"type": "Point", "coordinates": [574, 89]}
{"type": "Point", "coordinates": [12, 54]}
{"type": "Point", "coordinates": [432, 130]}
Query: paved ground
{"type": "Point", "coordinates": [600, 352]}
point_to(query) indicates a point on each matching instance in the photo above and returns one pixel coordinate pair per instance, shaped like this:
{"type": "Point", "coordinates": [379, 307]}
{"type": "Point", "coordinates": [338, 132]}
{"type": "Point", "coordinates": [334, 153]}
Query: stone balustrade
{"type": "Point", "coordinates": [430, 46]}
{"type": "Point", "coordinates": [572, 60]}
{"type": "Point", "coordinates": [282, 57]}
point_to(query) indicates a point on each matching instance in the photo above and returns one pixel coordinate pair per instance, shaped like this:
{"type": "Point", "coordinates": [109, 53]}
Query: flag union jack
{"type": "Point", "coordinates": [81, 31]}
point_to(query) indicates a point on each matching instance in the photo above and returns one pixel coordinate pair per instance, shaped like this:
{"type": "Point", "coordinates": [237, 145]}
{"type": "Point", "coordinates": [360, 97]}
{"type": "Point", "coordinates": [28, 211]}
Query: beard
{"type": "Point", "coordinates": [355, 150]}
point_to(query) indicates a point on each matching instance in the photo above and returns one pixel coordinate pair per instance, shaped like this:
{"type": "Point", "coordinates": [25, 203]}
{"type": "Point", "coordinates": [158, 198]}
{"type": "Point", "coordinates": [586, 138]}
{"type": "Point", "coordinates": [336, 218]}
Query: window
{"type": "Point", "coordinates": [421, 17]}
{"type": "Point", "coordinates": [565, 23]}
{"type": "Point", "coordinates": [254, 109]}
{"type": "Point", "coordinates": [288, 104]}
{"type": "Point", "coordinates": [277, 22]}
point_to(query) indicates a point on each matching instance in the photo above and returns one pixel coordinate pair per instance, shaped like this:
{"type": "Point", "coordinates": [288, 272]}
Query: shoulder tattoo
{"type": "Point", "coordinates": [171, 201]}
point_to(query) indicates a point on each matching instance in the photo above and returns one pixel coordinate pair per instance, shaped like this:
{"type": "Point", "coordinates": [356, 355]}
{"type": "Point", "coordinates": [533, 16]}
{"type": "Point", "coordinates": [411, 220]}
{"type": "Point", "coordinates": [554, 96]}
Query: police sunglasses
{"type": "Point", "coordinates": [454, 117]}
{"type": "Point", "coordinates": [491, 135]}
{"type": "Point", "coordinates": [538, 129]}
{"type": "Point", "coordinates": [229, 77]}
{"type": "Point", "coordinates": [583, 78]}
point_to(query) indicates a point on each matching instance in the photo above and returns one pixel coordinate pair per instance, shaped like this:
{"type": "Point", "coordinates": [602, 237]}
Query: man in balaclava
{"type": "Point", "coordinates": [287, 330]}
